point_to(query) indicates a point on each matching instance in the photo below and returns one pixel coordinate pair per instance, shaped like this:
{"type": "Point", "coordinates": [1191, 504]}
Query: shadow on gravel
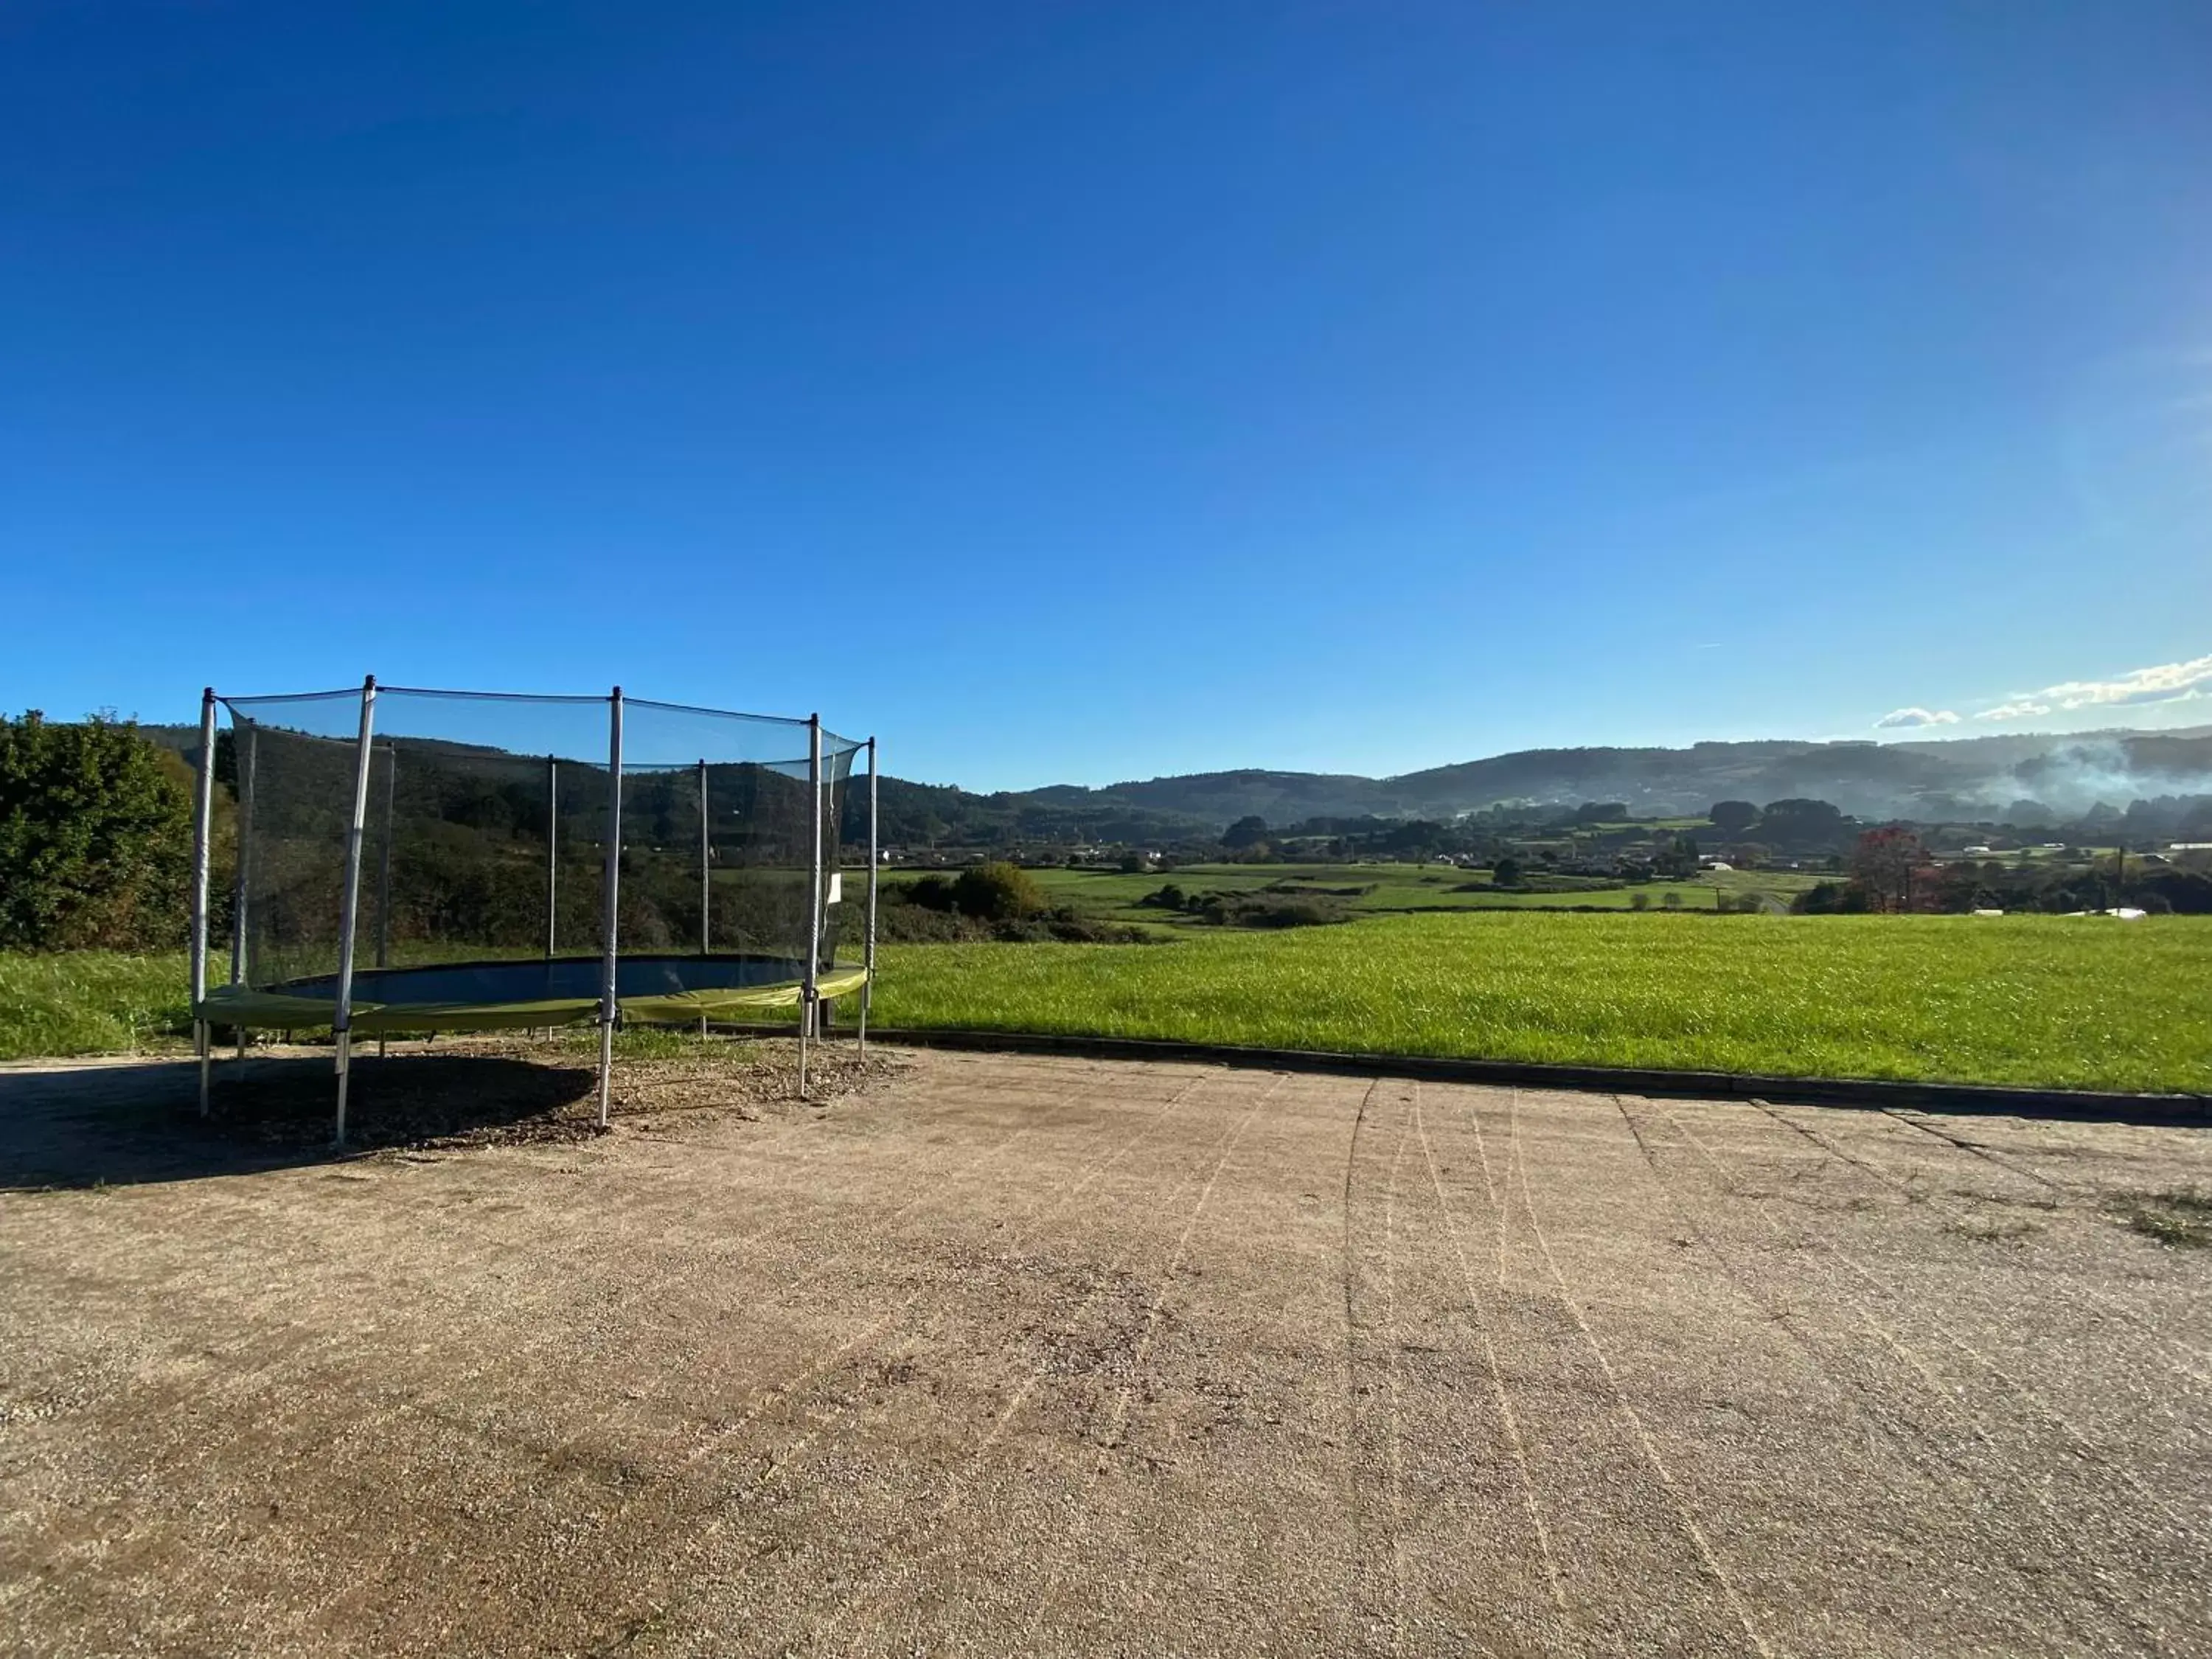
{"type": "Point", "coordinates": [118, 1125]}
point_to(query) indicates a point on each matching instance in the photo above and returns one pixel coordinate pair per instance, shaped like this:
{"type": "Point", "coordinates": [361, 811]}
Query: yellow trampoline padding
{"type": "Point", "coordinates": [241, 1005]}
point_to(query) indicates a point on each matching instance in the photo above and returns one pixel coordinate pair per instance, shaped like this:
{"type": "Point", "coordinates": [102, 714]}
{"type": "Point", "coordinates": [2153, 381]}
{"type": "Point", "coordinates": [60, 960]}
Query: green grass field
{"type": "Point", "coordinates": [90, 1002]}
{"type": "Point", "coordinates": [2051, 1001]}
{"type": "Point", "coordinates": [2057, 1002]}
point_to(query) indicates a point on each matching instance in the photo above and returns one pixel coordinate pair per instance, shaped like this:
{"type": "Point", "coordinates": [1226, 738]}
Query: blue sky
{"type": "Point", "coordinates": [1077, 391]}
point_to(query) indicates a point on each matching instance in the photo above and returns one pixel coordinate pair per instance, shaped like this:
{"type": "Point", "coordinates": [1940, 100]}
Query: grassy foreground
{"type": "Point", "coordinates": [90, 1002]}
{"type": "Point", "coordinates": [2051, 1001]}
{"type": "Point", "coordinates": [2054, 1000]}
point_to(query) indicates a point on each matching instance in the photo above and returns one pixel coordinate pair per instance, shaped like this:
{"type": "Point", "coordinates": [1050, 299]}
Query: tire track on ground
{"type": "Point", "coordinates": [908, 1562]}
{"type": "Point", "coordinates": [1393, 1370]}
{"type": "Point", "coordinates": [2028, 1396]}
{"type": "Point", "coordinates": [1965, 1417]}
{"type": "Point", "coordinates": [1943, 1474]}
{"type": "Point", "coordinates": [1505, 1412]}
{"type": "Point", "coordinates": [1975, 1147]}
{"type": "Point", "coordinates": [1374, 1437]}
{"type": "Point", "coordinates": [430, 1403]}
{"type": "Point", "coordinates": [1864, 1398]}
{"type": "Point", "coordinates": [2103, 1300]}
{"type": "Point", "coordinates": [820, 1266]}
{"type": "Point", "coordinates": [670, 1481]}
{"type": "Point", "coordinates": [778, 1466]}
{"type": "Point", "coordinates": [1355, 1511]}
{"type": "Point", "coordinates": [960, 1094]}
{"type": "Point", "coordinates": [1629, 1413]}
{"type": "Point", "coordinates": [1503, 1211]}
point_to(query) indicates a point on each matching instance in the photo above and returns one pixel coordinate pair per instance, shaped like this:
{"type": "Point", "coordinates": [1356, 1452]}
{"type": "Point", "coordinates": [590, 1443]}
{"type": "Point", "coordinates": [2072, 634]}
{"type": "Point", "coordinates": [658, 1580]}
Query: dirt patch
{"type": "Point", "coordinates": [1006, 1355]}
{"type": "Point", "coordinates": [491, 1093]}
{"type": "Point", "coordinates": [2181, 1218]}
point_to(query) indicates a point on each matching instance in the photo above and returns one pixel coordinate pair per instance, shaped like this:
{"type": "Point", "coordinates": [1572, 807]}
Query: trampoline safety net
{"type": "Point", "coordinates": [480, 897]}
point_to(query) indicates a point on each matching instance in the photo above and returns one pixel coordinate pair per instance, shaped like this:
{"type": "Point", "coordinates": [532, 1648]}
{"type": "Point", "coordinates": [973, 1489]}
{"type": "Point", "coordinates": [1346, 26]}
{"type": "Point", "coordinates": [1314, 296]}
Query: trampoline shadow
{"type": "Point", "coordinates": [133, 1122]}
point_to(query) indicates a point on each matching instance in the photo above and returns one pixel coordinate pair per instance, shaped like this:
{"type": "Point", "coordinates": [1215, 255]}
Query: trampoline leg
{"type": "Point", "coordinates": [606, 1066]}
{"type": "Point", "coordinates": [241, 1042]}
{"type": "Point", "coordinates": [805, 1019]}
{"type": "Point", "coordinates": [200, 1036]}
{"type": "Point", "coordinates": [345, 1055]}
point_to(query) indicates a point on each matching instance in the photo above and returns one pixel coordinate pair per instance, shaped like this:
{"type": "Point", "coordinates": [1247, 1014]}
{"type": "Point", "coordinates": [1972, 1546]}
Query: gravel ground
{"type": "Point", "coordinates": [1007, 1355]}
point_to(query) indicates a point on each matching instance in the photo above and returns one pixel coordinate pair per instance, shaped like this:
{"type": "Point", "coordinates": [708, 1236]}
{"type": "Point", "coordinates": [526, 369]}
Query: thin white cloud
{"type": "Point", "coordinates": [2138, 688]}
{"type": "Point", "coordinates": [2172, 682]}
{"type": "Point", "coordinates": [2168, 683]}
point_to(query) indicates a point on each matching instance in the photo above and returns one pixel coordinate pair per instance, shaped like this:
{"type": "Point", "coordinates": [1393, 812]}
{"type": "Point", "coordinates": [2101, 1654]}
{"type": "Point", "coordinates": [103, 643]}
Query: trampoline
{"type": "Point", "coordinates": [418, 861]}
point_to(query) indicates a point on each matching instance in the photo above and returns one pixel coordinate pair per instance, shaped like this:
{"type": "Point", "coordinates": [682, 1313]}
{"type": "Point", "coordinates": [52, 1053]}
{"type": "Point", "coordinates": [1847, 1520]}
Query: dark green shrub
{"type": "Point", "coordinates": [1263, 910]}
{"type": "Point", "coordinates": [931, 892]}
{"type": "Point", "coordinates": [96, 838]}
{"type": "Point", "coordinates": [998, 891]}
{"type": "Point", "coordinates": [1830, 898]}
{"type": "Point", "coordinates": [918, 923]}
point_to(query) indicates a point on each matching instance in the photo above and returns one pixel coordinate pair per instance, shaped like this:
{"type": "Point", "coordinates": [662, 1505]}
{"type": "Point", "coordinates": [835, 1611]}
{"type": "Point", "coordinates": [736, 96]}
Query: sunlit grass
{"type": "Point", "coordinates": [92, 1002]}
{"type": "Point", "coordinates": [2056, 1001]}
{"type": "Point", "coordinates": [2050, 1000]}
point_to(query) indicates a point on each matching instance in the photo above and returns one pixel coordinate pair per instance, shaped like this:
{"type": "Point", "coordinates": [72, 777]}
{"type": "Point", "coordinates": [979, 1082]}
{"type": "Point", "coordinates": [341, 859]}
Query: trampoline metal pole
{"type": "Point", "coordinates": [815, 896]}
{"type": "Point", "coordinates": [868, 939]}
{"type": "Point", "coordinates": [552, 862]}
{"type": "Point", "coordinates": [607, 972]}
{"type": "Point", "coordinates": [350, 908]}
{"type": "Point", "coordinates": [807, 1004]}
{"type": "Point", "coordinates": [706, 887]}
{"type": "Point", "coordinates": [203, 824]}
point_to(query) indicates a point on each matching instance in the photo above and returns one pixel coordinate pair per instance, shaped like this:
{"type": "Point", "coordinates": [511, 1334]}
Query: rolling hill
{"type": "Point", "coordinates": [1964, 778]}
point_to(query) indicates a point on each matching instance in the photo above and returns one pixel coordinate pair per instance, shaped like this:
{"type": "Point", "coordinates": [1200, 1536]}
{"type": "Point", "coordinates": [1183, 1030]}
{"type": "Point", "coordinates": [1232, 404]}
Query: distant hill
{"type": "Point", "coordinates": [1965, 777]}
{"type": "Point", "coordinates": [1962, 778]}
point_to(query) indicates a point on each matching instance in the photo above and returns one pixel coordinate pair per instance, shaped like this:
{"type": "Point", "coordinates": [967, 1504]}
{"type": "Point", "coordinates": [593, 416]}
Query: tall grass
{"type": "Point", "coordinates": [2046, 1001]}
{"type": "Point", "coordinates": [2050, 1000]}
{"type": "Point", "coordinates": [92, 1002]}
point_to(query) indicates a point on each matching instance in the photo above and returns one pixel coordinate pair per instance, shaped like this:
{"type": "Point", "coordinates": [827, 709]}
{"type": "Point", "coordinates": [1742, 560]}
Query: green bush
{"type": "Point", "coordinates": [906, 923]}
{"type": "Point", "coordinates": [920, 923]}
{"type": "Point", "coordinates": [1830, 898]}
{"type": "Point", "coordinates": [998, 891]}
{"type": "Point", "coordinates": [931, 892]}
{"type": "Point", "coordinates": [1262, 910]}
{"type": "Point", "coordinates": [95, 837]}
